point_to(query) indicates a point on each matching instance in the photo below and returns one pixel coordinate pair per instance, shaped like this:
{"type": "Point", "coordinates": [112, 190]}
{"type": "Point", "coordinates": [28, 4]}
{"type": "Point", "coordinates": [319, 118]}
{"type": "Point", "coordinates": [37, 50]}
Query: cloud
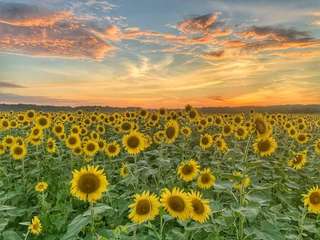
{"type": "Point", "coordinates": [19, 14]}
{"type": "Point", "coordinates": [9, 85]}
{"type": "Point", "coordinates": [273, 33]}
{"type": "Point", "coordinates": [199, 24]}
{"type": "Point", "coordinates": [40, 32]}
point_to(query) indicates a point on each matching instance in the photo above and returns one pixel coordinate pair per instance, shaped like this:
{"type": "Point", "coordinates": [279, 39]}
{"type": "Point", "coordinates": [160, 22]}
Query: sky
{"type": "Point", "coordinates": [160, 53]}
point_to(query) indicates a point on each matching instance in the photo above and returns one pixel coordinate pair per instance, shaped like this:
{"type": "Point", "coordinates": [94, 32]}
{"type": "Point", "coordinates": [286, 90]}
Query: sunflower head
{"type": "Point", "coordinates": [299, 160]}
{"type": "Point", "coordinates": [200, 209]}
{"type": "Point", "coordinates": [206, 180]}
{"type": "Point", "coordinates": [206, 141]}
{"type": "Point", "coordinates": [171, 131]}
{"type": "Point", "coordinates": [176, 203]}
{"type": "Point", "coordinates": [18, 152]}
{"type": "Point", "coordinates": [312, 200]}
{"type": "Point", "coordinates": [265, 146]}
{"type": "Point", "coordinates": [35, 227]}
{"type": "Point", "coordinates": [41, 186]}
{"type": "Point", "coordinates": [134, 142]}
{"type": "Point", "coordinates": [88, 183]}
{"type": "Point", "coordinates": [144, 208]}
{"type": "Point", "coordinates": [188, 170]}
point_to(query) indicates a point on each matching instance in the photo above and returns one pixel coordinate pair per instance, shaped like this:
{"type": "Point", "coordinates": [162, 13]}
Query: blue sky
{"type": "Point", "coordinates": [160, 53]}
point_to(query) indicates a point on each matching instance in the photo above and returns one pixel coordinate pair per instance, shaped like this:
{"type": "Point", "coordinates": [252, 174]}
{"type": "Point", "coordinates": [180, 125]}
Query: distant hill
{"type": "Point", "coordinates": [315, 108]}
{"type": "Point", "coordinates": [312, 108]}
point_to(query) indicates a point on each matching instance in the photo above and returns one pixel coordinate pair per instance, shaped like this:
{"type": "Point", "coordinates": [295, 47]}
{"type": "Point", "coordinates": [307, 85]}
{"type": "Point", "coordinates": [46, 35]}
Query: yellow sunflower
{"type": "Point", "coordinates": [18, 152]}
{"type": "Point", "coordinates": [206, 180]}
{"type": "Point", "coordinates": [145, 207]}
{"type": "Point", "coordinates": [261, 125]}
{"type": "Point", "coordinates": [200, 207]}
{"type": "Point", "coordinates": [73, 141]}
{"type": "Point", "coordinates": [35, 227]}
{"type": "Point", "coordinates": [240, 180]}
{"type": "Point", "coordinates": [2, 148]}
{"type": "Point", "coordinates": [90, 148]}
{"type": "Point", "coordinates": [186, 131]}
{"type": "Point", "coordinates": [41, 186]}
{"type": "Point", "coordinates": [171, 131]}
{"type": "Point", "coordinates": [241, 132]}
{"type": "Point", "coordinates": [265, 146]}
{"type": "Point", "coordinates": [302, 138]}
{"type": "Point", "coordinates": [112, 149]}
{"type": "Point", "coordinates": [312, 200]}
{"type": "Point", "coordinates": [43, 122]}
{"type": "Point", "coordinates": [124, 170]}
{"type": "Point", "coordinates": [88, 183]}
{"type": "Point", "coordinates": [176, 203]}
{"type": "Point", "coordinates": [51, 145]}
{"type": "Point", "coordinates": [134, 142]}
{"type": "Point", "coordinates": [299, 160]}
{"type": "Point", "coordinates": [206, 141]}
{"type": "Point", "coordinates": [188, 170]}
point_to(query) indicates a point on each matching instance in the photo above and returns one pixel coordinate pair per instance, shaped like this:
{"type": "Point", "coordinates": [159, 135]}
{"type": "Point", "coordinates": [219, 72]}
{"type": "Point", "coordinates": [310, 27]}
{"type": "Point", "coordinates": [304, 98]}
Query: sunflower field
{"type": "Point", "coordinates": [159, 174]}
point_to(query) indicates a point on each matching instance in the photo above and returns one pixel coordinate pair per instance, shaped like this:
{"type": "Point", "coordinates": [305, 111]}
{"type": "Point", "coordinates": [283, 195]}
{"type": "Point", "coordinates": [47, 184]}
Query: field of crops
{"type": "Point", "coordinates": [159, 175]}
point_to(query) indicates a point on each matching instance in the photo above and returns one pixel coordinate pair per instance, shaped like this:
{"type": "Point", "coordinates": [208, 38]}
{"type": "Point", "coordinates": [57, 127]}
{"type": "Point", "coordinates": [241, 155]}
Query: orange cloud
{"type": "Point", "coordinates": [56, 34]}
{"type": "Point", "coordinates": [200, 24]}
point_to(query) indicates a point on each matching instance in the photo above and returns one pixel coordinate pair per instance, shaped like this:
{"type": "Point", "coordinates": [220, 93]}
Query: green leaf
{"type": "Point", "coordinates": [10, 235]}
{"type": "Point", "coordinates": [77, 224]}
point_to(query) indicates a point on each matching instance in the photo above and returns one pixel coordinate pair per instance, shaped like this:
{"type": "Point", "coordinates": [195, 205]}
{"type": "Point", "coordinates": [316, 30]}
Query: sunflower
{"type": "Point", "coordinates": [145, 207]}
{"type": "Point", "coordinates": [221, 144]}
{"type": "Point", "coordinates": [200, 207]}
{"type": "Point", "coordinates": [8, 141]}
{"type": "Point", "coordinates": [90, 148]}
{"type": "Point", "coordinates": [206, 180]}
{"type": "Point", "coordinates": [206, 141]}
{"type": "Point", "coordinates": [298, 161]}
{"type": "Point", "coordinates": [241, 133]}
{"type": "Point", "coordinates": [188, 170]}
{"type": "Point", "coordinates": [58, 129]}
{"type": "Point", "coordinates": [176, 203]}
{"type": "Point", "coordinates": [312, 200]}
{"type": "Point", "coordinates": [41, 186]}
{"type": "Point", "coordinates": [18, 152]}
{"type": "Point", "coordinates": [261, 125]}
{"type": "Point", "coordinates": [171, 131]}
{"type": "Point", "coordinates": [51, 145]}
{"type": "Point", "coordinates": [227, 130]}
{"type": "Point", "coordinates": [317, 146]}
{"type": "Point", "coordinates": [265, 146]}
{"type": "Point", "coordinates": [112, 149]}
{"type": "Point", "coordinates": [35, 227]}
{"type": "Point", "coordinates": [292, 132]}
{"type": "Point", "coordinates": [73, 141]}
{"type": "Point", "coordinates": [43, 122]}
{"type": "Point", "coordinates": [134, 142]}
{"type": "Point", "coordinates": [186, 131]}
{"type": "Point", "coordinates": [302, 138]}
{"type": "Point", "coordinates": [4, 124]}
{"type": "Point", "coordinates": [240, 180]}
{"type": "Point", "coordinates": [30, 114]}
{"type": "Point", "coordinates": [124, 170]}
{"type": "Point", "coordinates": [89, 183]}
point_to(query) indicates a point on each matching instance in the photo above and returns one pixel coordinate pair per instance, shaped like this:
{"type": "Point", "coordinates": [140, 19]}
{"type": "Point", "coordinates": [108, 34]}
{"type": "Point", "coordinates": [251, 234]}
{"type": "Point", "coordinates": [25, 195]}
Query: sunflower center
{"type": "Point", "coordinates": [187, 169]}
{"type": "Point", "coordinates": [297, 159]}
{"type": "Point", "coordinates": [315, 198]}
{"type": "Point", "coordinates": [240, 131]}
{"type": "Point", "coordinates": [176, 203]}
{"type": "Point", "coordinates": [88, 183]}
{"type": "Point", "coordinates": [237, 120]}
{"type": "Point", "coordinates": [205, 140]}
{"type": "Point", "coordinates": [205, 178]}
{"type": "Point", "coordinates": [126, 126]}
{"type": "Point", "coordinates": [143, 207]}
{"type": "Point", "coordinates": [112, 148]}
{"type": "Point", "coordinates": [264, 145]}
{"type": "Point", "coordinates": [192, 114]}
{"type": "Point", "coordinates": [18, 150]}
{"type": "Point", "coordinates": [170, 132]}
{"type": "Point", "coordinates": [43, 121]}
{"type": "Point", "coordinates": [197, 206]}
{"type": "Point", "coordinates": [227, 129]}
{"type": "Point", "coordinates": [91, 147]}
{"type": "Point", "coordinates": [301, 137]}
{"type": "Point", "coordinates": [133, 142]}
{"type": "Point", "coordinates": [58, 129]}
{"type": "Point", "coordinates": [72, 140]}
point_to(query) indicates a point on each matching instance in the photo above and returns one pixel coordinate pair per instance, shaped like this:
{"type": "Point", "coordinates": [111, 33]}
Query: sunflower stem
{"type": "Point", "coordinates": [92, 217]}
{"type": "Point", "coordinates": [26, 237]}
{"type": "Point", "coordinates": [301, 223]}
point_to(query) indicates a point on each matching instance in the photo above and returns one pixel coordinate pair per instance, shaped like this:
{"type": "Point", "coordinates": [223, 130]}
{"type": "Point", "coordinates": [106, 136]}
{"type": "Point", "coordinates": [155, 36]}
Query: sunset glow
{"type": "Point", "coordinates": [160, 53]}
